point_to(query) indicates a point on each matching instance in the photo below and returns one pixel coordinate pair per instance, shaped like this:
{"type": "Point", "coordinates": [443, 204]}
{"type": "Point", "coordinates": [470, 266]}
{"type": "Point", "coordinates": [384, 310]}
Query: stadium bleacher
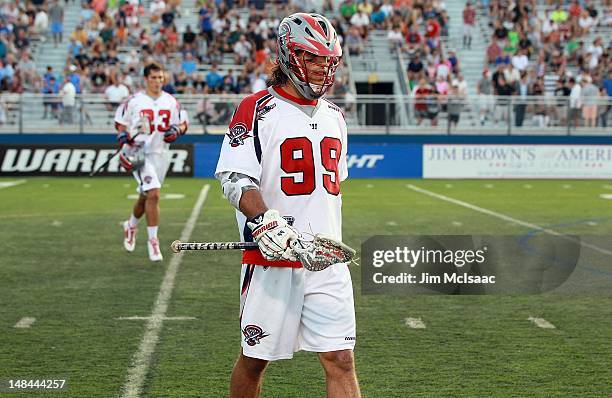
{"type": "Point", "coordinates": [111, 41]}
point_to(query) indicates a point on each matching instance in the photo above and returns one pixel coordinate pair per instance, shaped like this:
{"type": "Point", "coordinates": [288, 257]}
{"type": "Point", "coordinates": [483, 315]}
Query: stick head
{"type": "Point", "coordinates": [175, 246]}
{"type": "Point", "coordinates": [321, 252]}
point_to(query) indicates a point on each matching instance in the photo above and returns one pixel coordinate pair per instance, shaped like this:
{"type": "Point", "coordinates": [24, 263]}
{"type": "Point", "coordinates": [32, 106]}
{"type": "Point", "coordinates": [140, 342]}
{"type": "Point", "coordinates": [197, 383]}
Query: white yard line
{"type": "Point", "coordinates": [142, 359]}
{"type": "Point", "coordinates": [7, 184]}
{"type": "Point", "coordinates": [25, 323]}
{"type": "Point", "coordinates": [541, 323]}
{"type": "Point", "coordinates": [504, 217]}
{"type": "Point", "coordinates": [148, 318]}
{"type": "Point", "coordinates": [414, 323]}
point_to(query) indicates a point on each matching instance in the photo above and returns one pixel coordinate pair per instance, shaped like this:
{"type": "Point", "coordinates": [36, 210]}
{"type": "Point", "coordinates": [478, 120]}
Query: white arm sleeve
{"type": "Point", "coordinates": [235, 184]}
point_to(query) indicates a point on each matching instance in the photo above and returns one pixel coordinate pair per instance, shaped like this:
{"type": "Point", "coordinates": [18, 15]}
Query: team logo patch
{"type": "Point", "coordinates": [148, 179]}
{"type": "Point", "coordinates": [238, 134]}
{"type": "Point", "coordinates": [252, 334]}
{"type": "Point", "coordinates": [261, 112]}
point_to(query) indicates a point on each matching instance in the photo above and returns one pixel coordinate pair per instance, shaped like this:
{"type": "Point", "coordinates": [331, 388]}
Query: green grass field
{"type": "Point", "coordinates": [62, 262]}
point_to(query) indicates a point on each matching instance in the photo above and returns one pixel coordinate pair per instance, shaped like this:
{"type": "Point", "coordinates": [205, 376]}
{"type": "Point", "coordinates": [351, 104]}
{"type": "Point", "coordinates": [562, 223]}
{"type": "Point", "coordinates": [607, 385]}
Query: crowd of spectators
{"type": "Point", "coordinates": [551, 51]}
{"type": "Point", "coordinates": [227, 51]}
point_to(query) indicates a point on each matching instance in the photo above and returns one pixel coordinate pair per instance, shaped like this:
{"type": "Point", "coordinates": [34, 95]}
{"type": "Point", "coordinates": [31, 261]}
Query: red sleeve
{"type": "Point", "coordinates": [245, 112]}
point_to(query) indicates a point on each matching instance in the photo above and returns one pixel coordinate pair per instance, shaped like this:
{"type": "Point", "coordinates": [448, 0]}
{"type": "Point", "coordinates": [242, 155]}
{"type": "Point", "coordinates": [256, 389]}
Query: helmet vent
{"type": "Point", "coordinates": [309, 32]}
{"type": "Point", "coordinates": [324, 27]}
{"type": "Point", "coordinates": [297, 21]}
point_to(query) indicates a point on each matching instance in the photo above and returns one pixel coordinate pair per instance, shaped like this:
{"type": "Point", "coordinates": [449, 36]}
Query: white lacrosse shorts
{"type": "Point", "coordinates": [152, 174]}
{"type": "Point", "coordinates": [284, 310]}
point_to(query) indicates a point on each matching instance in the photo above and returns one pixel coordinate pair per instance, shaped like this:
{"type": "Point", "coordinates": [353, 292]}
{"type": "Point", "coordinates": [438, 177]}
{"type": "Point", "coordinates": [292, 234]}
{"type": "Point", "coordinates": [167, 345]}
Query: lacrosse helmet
{"type": "Point", "coordinates": [301, 34]}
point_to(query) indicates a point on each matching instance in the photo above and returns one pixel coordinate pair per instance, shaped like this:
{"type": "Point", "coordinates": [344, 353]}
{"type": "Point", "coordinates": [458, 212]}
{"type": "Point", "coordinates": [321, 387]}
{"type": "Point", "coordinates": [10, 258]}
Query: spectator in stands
{"type": "Point", "coordinates": [395, 37]}
{"type": "Point", "coordinates": [520, 106]}
{"type": "Point", "coordinates": [242, 50]}
{"type": "Point", "coordinates": [68, 94]}
{"type": "Point", "coordinates": [348, 8]}
{"type": "Point", "coordinates": [415, 68]}
{"type": "Point", "coordinates": [377, 17]}
{"type": "Point", "coordinates": [213, 79]}
{"type": "Point", "coordinates": [443, 89]}
{"type": "Point", "coordinates": [6, 71]}
{"type": "Point", "coordinates": [469, 22]}
{"type": "Point", "coordinates": [361, 21]}
{"type": "Point", "coordinates": [520, 61]}
{"type": "Point", "coordinates": [414, 40]}
{"type": "Point", "coordinates": [354, 41]}
{"type": "Point", "coordinates": [167, 17]}
{"type": "Point", "coordinates": [575, 104]}
{"type": "Point", "coordinates": [27, 69]}
{"type": "Point", "coordinates": [189, 65]}
{"type": "Point", "coordinates": [426, 102]}
{"type": "Point", "coordinates": [454, 106]}
{"type": "Point", "coordinates": [484, 89]}
{"type": "Point", "coordinates": [561, 93]}
{"type": "Point", "coordinates": [461, 84]}
{"type": "Point", "coordinates": [607, 94]}
{"type": "Point", "coordinates": [504, 90]}
{"type": "Point", "coordinates": [50, 90]}
{"type": "Point", "coordinates": [590, 100]}
{"type": "Point", "coordinates": [494, 51]}
{"type": "Point", "coordinates": [115, 94]}
{"type": "Point", "coordinates": [453, 61]}
{"type": "Point", "coordinates": [75, 78]}
{"type": "Point", "coordinates": [21, 41]}
{"type": "Point", "coordinates": [56, 15]}
{"type": "Point", "coordinates": [189, 40]}
{"type": "Point", "coordinates": [432, 33]}
{"type": "Point", "coordinates": [41, 24]}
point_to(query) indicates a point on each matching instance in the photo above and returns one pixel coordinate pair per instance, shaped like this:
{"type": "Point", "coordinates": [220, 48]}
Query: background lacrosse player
{"type": "Point", "coordinates": [281, 164]}
{"type": "Point", "coordinates": [166, 123]}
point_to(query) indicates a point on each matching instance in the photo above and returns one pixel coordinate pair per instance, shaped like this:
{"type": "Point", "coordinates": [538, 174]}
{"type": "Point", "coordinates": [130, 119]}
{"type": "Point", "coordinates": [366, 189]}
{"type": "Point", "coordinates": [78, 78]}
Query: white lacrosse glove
{"type": "Point", "coordinates": [274, 236]}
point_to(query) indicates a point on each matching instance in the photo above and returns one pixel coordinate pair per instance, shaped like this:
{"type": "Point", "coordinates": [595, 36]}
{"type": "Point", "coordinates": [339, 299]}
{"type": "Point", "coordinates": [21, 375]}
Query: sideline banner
{"type": "Point", "coordinates": [78, 160]}
{"type": "Point", "coordinates": [517, 161]}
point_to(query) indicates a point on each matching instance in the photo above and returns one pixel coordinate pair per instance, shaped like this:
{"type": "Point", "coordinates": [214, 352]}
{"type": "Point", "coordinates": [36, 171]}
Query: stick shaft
{"type": "Point", "coordinates": [180, 246]}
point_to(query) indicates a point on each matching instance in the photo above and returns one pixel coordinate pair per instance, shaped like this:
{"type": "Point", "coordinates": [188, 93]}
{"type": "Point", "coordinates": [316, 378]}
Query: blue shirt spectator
{"type": "Point", "coordinates": [51, 87]}
{"type": "Point", "coordinates": [189, 65]}
{"type": "Point", "coordinates": [607, 84]}
{"type": "Point", "coordinates": [213, 78]}
{"type": "Point", "coordinates": [377, 17]}
{"type": "Point", "coordinates": [74, 47]}
{"type": "Point", "coordinates": [75, 79]}
{"type": "Point", "coordinates": [205, 24]}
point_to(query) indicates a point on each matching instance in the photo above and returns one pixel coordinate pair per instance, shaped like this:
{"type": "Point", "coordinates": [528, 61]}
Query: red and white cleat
{"type": "Point", "coordinates": [154, 252]}
{"type": "Point", "coordinates": [129, 237]}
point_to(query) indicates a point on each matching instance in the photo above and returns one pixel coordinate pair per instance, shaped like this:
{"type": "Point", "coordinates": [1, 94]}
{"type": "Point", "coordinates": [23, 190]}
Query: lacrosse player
{"type": "Point", "coordinates": [281, 165]}
{"type": "Point", "coordinates": [146, 123]}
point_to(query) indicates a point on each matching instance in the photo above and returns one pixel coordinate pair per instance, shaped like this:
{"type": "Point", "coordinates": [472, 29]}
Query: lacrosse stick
{"type": "Point", "coordinates": [143, 128]}
{"type": "Point", "coordinates": [315, 255]}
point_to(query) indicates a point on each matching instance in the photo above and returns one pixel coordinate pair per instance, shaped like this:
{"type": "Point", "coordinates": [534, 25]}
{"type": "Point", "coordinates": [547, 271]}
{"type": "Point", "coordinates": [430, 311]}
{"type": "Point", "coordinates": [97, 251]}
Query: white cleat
{"type": "Point", "coordinates": [154, 252]}
{"type": "Point", "coordinates": [129, 237]}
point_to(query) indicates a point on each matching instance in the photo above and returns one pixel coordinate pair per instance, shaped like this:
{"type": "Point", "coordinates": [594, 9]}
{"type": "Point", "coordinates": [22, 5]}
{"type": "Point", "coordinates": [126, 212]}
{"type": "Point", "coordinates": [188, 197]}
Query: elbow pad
{"type": "Point", "coordinates": [235, 184]}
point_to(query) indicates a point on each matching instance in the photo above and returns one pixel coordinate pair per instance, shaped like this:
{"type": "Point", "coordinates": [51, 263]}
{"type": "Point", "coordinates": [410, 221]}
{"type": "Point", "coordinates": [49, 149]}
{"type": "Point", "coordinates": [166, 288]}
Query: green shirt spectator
{"type": "Point", "coordinates": [348, 9]}
{"type": "Point", "coordinates": [559, 15]}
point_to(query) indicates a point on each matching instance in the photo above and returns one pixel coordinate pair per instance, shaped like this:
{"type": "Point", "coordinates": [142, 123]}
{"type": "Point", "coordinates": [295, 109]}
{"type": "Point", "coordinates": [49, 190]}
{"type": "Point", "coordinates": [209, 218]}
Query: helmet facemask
{"type": "Point", "coordinates": [314, 72]}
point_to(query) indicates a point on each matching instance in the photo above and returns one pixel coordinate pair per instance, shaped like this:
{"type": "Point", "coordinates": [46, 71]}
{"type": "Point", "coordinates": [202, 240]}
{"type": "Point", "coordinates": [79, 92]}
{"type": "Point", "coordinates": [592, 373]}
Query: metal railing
{"type": "Point", "coordinates": [377, 114]}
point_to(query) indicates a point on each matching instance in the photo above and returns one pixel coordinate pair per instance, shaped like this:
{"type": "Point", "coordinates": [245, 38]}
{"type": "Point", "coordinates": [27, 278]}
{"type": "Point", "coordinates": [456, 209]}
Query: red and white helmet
{"type": "Point", "coordinates": [303, 33]}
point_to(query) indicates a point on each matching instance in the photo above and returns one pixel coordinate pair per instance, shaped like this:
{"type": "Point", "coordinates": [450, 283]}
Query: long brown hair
{"type": "Point", "coordinates": [277, 77]}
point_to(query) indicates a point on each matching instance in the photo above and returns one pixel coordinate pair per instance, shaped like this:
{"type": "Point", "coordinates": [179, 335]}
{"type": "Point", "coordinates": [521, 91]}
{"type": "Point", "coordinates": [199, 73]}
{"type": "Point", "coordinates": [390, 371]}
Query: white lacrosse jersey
{"type": "Point", "coordinates": [296, 149]}
{"type": "Point", "coordinates": [161, 112]}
